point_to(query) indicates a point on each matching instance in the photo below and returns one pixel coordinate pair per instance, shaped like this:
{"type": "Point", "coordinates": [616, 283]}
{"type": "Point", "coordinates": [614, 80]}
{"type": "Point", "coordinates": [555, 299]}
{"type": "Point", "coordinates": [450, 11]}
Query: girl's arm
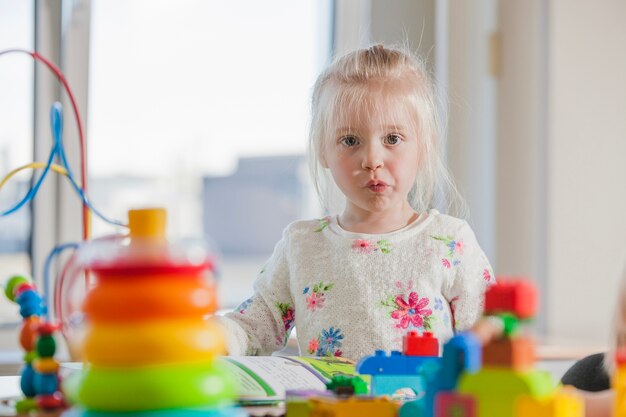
{"type": "Point", "coordinates": [598, 404]}
{"type": "Point", "coordinates": [262, 323]}
{"type": "Point", "coordinates": [472, 275]}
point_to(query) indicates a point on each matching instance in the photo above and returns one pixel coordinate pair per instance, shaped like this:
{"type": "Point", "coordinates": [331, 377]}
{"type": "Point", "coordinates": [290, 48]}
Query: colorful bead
{"type": "Point", "coordinates": [13, 282]}
{"type": "Point", "coordinates": [46, 346]}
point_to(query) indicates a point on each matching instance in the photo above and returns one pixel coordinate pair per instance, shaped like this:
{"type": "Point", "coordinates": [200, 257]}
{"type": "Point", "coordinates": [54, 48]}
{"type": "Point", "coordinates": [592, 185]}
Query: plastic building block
{"type": "Point", "coordinates": [396, 371]}
{"type": "Point", "coordinates": [462, 353]}
{"type": "Point", "coordinates": [564, 403]}
{"type": "Point", "coordinates": [518, 353]}
{"type": "Point", "coordinates": [344, 385]}
{"type": "Point", "coordinates": [395, 384]}
{"type": "Point", "coordinates": [518, 297]}
{"type": "Point", "coordinates": [414, 344]}
{"type": "Point", "coordinates": [618, 383]}
{"type": "Point", "coordinates": [353, 407]}
{"type": "Point", "coordinates": [452, 404]}
{"type": "Point", "coordinates": [496, 390]}
{"type": "Point", "coordinates": [298, 407]}
{"type": "Point", "coordinates": [393, 364]}
{"type": "Point", "coordinates": [415, 408]}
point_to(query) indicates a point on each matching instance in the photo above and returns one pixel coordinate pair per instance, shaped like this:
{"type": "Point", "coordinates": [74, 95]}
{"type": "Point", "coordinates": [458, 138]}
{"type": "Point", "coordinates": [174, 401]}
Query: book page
{"type": "Point", "coordinates": [268, 377]}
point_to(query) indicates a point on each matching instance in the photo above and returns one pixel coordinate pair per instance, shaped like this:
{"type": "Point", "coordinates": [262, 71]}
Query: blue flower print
{"type": "Point", "coordinates": [438, 304]}
{"type": "Point", "coordinates": [328, 343]}
{"type": "Point", "coordinates": [244, 306]}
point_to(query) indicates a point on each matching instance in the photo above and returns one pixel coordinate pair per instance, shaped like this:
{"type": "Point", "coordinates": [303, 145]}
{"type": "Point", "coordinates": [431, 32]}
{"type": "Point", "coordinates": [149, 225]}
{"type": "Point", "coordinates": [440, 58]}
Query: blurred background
{"type": "Point", "coordinates": [202, 107]}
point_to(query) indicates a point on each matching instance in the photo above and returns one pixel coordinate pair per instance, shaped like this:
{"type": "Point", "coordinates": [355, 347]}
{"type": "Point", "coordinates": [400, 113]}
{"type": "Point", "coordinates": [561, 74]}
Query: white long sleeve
{"type": "Point", "coordinates": [349, 294]}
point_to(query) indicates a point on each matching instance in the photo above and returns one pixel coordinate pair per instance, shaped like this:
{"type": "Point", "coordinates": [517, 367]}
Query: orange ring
{"type": "Point", "coordinates": [123, 301]}
{"type": "Point", "coordinates": [159, 342]}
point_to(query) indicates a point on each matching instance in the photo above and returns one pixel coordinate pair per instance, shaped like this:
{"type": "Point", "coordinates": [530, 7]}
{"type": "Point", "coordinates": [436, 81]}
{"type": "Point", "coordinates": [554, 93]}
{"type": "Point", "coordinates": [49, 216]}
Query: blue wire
{"type": "Point", "coordinates": [56, 123]}
{"type": "Point", "coordinates": [46, 272]}
{"type": "Point", "coordinates": [31, 193]}
{"type": "Point", "coordinates": [56, 120]}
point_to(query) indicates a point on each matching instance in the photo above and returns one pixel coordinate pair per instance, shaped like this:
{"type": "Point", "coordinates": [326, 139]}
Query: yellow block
{"type": "Point", "coordinates": [563, 403]}
{"type": "Point", "coordinates": [354, 406]}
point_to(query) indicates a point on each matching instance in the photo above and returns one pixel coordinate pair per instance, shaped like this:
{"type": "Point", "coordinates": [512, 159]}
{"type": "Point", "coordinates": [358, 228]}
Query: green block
{"type": "Point", "coordinates": [299, 408]}
{"type": "Point", "coordinates": [496, 389]}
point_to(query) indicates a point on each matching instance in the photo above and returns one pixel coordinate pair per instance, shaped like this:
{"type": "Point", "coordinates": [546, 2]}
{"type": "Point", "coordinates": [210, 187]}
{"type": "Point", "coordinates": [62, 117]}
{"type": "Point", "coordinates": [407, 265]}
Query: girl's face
{"type": "Point", "coordinates": [373, 155]}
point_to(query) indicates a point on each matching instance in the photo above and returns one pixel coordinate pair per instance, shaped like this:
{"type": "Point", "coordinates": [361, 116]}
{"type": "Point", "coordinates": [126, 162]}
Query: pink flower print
{"type": "Point", "coordinates": [315, 295]}
{"type": "Point", "coordinates": [412, 312]}
{"type": "Point", "coordinates": [315, 300]}
{"type": "Point", "coordinates": [486, 275]}
{"type": "Point", "coordinates": [313, 345]}
{"type": "Point", "coordinates": [362, 246]}
{"type": "Point", "coordinates": [287, 314]}
{"type": "Point", "coordinates": [458, 247]}
{"type": "Point", "coordinates": [446, 263]}
{"type": "Point", "coordinates": [366, 246]}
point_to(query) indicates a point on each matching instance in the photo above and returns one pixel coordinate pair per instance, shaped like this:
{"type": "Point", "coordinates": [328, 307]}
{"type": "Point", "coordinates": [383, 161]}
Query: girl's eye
{"type": "Point", "coordinates": [349, 141]}
{"type": "Point", "coordinates": [393, 139]}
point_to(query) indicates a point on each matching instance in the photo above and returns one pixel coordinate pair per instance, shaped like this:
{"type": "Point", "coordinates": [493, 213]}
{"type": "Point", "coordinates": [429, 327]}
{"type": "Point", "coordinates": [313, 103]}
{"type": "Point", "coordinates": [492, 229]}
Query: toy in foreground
{"type": "Point", "coordinates": [148, 345]}
{"type": "Point", "coordinates": [485, 372]}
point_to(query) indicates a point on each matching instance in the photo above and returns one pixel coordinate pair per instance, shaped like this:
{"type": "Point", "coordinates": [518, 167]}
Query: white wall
{"type": "Point", "coordinates": [587, 164]}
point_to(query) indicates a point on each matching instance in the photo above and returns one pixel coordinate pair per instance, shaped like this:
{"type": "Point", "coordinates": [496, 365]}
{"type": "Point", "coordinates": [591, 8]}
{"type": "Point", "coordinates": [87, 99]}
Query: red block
{"type": "Point", "coordinates": [452, 404]}
{"type": "Point", "coordinates": [415, 345]}
{"type": "Point", "coordinates": [518, 297]}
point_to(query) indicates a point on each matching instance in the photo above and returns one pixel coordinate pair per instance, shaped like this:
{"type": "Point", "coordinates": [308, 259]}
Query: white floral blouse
{"type": "Point", "coordinates": [350, 294]}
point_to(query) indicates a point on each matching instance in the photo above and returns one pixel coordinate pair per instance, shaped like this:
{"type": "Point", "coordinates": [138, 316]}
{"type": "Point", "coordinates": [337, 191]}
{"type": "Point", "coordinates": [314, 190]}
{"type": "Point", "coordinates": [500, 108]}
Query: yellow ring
{"type": "Point", "coordinates": [156, 342]}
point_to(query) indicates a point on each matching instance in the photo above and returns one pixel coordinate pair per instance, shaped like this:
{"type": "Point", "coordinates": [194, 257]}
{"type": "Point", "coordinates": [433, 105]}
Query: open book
{"type": "Point", "coordinates": [265, 379]}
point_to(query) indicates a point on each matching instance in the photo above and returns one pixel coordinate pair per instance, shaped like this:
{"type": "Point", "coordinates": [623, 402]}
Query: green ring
{"type": "Point", "coordinates": [155, 387]}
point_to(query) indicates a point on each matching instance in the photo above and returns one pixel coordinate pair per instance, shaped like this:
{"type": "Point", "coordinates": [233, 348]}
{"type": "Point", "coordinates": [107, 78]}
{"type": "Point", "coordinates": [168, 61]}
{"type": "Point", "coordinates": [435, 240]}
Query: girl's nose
{"type": "Point", "coordinates": [372, 159]}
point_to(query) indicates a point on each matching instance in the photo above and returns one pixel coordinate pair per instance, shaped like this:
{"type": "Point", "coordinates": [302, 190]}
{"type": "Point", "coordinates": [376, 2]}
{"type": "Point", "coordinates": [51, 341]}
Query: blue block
{"type": "Point", "coordinates": [462, 353]}
{"type": "Point", "coordinates": [390, 384]}
{"type": "Point", "coordinates": [393, 364]}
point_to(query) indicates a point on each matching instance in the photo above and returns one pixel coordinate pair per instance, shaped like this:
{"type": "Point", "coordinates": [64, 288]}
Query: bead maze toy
{"type": "Point", "coordinates": [39, 381]}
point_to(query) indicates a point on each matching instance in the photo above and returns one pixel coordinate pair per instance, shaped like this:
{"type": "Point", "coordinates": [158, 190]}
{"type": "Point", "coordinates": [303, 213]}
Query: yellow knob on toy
{"type": "Point", "coordinates": [147, 223]}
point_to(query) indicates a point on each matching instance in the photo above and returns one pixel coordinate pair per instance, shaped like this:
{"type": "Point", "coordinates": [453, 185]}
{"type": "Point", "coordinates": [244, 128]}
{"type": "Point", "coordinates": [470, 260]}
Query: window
{"type": "Point", "coordinates": [202, 107]}
{"type": "Point", "coordinates": [16, 139]}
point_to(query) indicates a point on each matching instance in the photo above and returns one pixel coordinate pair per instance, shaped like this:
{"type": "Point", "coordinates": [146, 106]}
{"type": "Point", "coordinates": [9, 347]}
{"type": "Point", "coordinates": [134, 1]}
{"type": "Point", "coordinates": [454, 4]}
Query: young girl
{"type": "Point", "coordinates": [387, 263]}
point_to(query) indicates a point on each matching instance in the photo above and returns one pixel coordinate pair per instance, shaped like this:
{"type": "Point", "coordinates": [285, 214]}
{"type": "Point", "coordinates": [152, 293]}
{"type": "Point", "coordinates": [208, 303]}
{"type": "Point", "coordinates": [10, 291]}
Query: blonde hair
{"type": "Point", "coordinates": [350, 81]}
{"type": "Point", "coordinates": [618, 332]}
